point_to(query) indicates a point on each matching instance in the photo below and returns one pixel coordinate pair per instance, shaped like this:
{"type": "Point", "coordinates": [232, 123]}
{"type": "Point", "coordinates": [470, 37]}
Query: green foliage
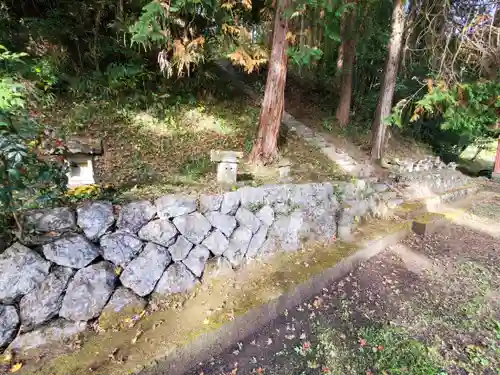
{"type": "Point", "coordinates": [304, 55]}
{"type": "Point", "coordinates": [26, 174]}
{"type": "Point", "coordinates": [183, 31]}
{"type": "Point", "coordinates": [465, 113]}
{"type": "Point", "coordinates": [148, 31]}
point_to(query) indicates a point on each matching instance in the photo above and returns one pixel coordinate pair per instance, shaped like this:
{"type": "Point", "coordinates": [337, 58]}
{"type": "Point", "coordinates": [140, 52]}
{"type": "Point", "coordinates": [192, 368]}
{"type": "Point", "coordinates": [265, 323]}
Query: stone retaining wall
{"type": "Point", "coordinates": [102, 260]}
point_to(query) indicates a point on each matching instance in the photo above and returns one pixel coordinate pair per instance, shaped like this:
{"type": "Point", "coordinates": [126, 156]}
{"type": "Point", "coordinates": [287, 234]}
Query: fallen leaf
{"type": "Point", "coordinates": [260, 371]}
{"type": "Point", "coordinates": [317, 302]}
{"type": "Point", "coordinates": [16, 367]}
{"type": "Point", "coordinates": [137, 335]}
{"type": "Point", "coordinates": [362, 342]}
{"type": "Point", "coordinates": [7, 357]}
{"type": "Point", "coordinates": [118, 270]}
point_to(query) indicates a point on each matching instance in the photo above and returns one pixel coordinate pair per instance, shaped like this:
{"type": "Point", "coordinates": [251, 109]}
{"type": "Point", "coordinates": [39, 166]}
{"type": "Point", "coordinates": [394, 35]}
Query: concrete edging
{"type": "Point", "coordinates": [213, 343]}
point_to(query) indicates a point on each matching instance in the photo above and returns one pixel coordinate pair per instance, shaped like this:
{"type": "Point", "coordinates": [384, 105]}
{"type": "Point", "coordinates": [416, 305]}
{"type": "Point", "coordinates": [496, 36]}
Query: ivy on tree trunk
{"type": "Point", "coordinates": [265, 148]}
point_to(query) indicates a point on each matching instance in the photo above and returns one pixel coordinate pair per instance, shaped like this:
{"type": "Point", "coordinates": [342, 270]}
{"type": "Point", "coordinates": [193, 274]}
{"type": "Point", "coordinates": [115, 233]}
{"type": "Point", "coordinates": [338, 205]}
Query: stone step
{"type": "Point", "coordinates": [428, 223]}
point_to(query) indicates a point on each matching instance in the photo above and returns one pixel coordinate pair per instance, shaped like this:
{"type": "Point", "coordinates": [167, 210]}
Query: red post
{"type": "Point", "coordinates": [496, 168]}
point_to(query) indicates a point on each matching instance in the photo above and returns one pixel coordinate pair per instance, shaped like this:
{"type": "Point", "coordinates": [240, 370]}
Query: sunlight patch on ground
{"type": "Point", "coordinates": [197, 120]}
{"type": "Point", "coordinates": [149, 123]}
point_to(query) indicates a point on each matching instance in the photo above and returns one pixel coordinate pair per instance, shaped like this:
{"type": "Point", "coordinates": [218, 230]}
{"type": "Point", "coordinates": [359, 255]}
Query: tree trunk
{"type": "Point", "coordinates": [384, 104]}
{"type": "Point", "coordinates": [410, 34]}
{"type": "Point", "coordinates": [349, 53]}
{"type": "Point", "coordinates": [265, 146]}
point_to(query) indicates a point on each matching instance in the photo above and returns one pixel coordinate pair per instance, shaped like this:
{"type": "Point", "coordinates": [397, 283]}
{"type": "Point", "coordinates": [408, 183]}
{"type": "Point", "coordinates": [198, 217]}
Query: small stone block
{"type": "Point", "coordinates": [225, 156]}
{"type": "Point", "coordinates": [428, 225]}
{"type": "Point", "coordinates": [227, 172]}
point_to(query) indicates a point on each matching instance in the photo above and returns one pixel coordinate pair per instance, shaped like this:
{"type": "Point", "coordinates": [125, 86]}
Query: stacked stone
{"type": "Point", "coordinates": [428, 163]}
{"type": "Point", "coordinates": [94, 263]}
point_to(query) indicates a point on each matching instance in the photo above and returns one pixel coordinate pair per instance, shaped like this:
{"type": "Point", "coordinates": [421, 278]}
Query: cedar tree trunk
{"type": "Point", "coordinates": [384, 105]}
{"type": "Point", "coordinates": [348, 49]}
{"type": "Point", "coordinates": [265, 146]}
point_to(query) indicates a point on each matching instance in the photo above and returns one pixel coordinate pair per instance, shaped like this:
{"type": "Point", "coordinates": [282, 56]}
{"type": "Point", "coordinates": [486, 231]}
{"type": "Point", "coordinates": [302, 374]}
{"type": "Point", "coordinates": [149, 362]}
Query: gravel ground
{"type": "Point", "coordinates": [442, 290]}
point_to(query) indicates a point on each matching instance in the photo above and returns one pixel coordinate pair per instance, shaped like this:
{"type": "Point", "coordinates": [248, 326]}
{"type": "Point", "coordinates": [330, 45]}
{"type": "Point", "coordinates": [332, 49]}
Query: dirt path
{"type": "Point", "coordinates": [424, 306]}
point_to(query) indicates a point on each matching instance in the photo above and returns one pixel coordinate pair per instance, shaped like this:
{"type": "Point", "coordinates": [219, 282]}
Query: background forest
{"type": "Point", "coordinates": [142, 75]}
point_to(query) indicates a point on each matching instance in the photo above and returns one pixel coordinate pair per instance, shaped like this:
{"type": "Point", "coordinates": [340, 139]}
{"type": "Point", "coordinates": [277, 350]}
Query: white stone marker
{"type": "Point", "coordinates": [227, 167]}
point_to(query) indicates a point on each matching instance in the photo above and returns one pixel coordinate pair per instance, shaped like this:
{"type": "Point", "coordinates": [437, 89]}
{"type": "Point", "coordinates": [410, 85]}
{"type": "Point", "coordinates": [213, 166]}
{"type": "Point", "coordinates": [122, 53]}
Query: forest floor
{"type": "Point", "coordinates": [162, 148]}
{"type": "Point", "coordinates": [427, 305]}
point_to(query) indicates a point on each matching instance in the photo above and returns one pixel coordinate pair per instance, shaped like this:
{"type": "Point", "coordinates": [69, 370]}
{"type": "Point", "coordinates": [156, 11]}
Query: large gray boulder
{"type": "Point", "coordinates": [224, 223]}
{"type": "Point", "coordinates": [303, 195]}
{"type": "Point", "coordinates": [95, 219]}
{"type": "Point", "coordinates": [194, 227]}
{"type": "Point", "coordinates": [277, 193]}
{"type": "Point", "coordinates": [196, 260]}
{"type": "Point", "coordinates": [44, 302]}
{"type": "Point", "coordinates": [171, 206]}
{"type": "Point", "coordinates": [142, 274]}
{"type": "Point", "coordinates": [268, 248]}
{"type": "Point", "coordinates": [217, 267]}
{"type": "Point", "coordinates": [120, 247]}
{"type": "Point", "coordinates": [180, 249]}
{"type": "Point", "coordinates": [257, 241]}
{"type": "Point", "coordinates": [88, 292]}
{"type": "Point", "coordinates": [74, 251]}
{"type": "Point", "coordinates": [60, 219]}
{"type": "Point", "coordinates": [247, 219]}
{"type": "Point", "coordinates": [266, 215]}
{"type": "Point", "coordinates": [160, 231]}
{"type": "Point", "coordinates": [322, 221]}
{"type": "Point", "coordinates": [56, 332]}
{"type": "Point", "coordinates": [216, 242]}
{"type": "Point", "coordinates": [289, 230]}
{"type": "Point", "coordinates": [238, 246]}
{"type": "Point", "coordinates": [176, 279]}
{"type": "Point", "coordinates": [210, 203]}
{"type": "Point", "coordinates": [230, 203]}
{"type": "Point", "coordinates": [123, 304]}
{"type": "Point", "coordinates": [21, 270]}
{"type": "Point", "coordinates": [9, 320]}
{"type": "Point", "coordinates": [135, 215]}
{"type": "Point", "coordinates": [252, 197]}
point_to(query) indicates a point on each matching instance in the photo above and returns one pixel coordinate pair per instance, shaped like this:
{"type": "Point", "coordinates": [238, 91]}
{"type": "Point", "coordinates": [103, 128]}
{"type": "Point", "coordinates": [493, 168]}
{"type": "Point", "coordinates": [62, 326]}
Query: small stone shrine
{"type": "Point", "coordinates": [80, 154]}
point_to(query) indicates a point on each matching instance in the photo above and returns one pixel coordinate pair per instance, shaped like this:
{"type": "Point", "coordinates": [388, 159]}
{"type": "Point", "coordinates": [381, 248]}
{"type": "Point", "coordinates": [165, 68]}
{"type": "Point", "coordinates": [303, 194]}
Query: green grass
{"type": "Point", "coordinates": [377, 350]}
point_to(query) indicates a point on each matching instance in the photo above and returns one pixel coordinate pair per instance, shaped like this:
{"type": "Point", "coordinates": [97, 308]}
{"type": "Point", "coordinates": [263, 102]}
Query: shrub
{"type": "Point", "coordinates": [30, 174]}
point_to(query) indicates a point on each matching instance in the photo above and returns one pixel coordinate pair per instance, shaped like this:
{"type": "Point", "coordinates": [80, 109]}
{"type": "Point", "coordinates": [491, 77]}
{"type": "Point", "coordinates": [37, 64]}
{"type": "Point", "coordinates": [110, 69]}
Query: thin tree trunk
{"type": "Point", "coordinates": [349, 52]}
{"type": "Point", "coordinates": [410, 34]}
{"type": "Point", "coordinates": [340, 56]}
{"type": "Point", "coordinates": [265, 146]}
{"type": "Point", "coordinates": [384, 105]}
